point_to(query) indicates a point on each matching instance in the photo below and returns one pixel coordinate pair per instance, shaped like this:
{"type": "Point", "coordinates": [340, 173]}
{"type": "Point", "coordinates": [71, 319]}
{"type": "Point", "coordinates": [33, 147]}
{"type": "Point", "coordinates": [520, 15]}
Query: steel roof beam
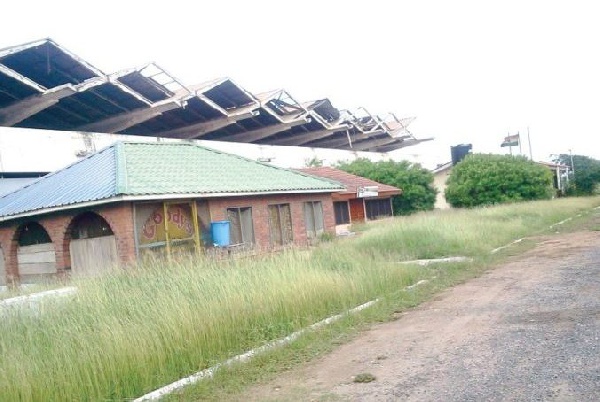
{"type": "Point", "coordinates": [25, 108]}
{"type": "Point", "coordinates": [301, 139]}
{"type": "Point", "coordinates": [200, 129]}
{"type": "Point", "coordinates": [264, 132]}
{"type": "Point", "coordinates": [377, 142]}
{"type": "Point", "coordinates": [340, 142]}
{"type": "Point", "coordinates": [125, 120]}
{"type": "Point", "coordinates": [402, 144]}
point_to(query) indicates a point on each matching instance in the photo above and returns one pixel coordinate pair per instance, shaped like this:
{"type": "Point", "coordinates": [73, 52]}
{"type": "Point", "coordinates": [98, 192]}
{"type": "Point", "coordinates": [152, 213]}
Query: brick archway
{"type": "Point", "coordinates": [32, 253]}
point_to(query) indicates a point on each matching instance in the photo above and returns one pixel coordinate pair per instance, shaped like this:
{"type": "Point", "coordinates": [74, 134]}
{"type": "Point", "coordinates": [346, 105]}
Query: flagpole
{"type": "Point", "coordinates": [529, 141]}
{"type": "Point", "coordinates": [519, 137]}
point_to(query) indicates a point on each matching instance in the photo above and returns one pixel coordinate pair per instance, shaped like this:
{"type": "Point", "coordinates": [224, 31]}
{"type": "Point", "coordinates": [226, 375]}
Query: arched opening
{"type": "Point", "coordinates": [33, 233]}
{"type": "Point", "coordinates": [88, 226]}
{"type": "Point", "coordinates": [36, 258]}
{"type": "Point", "coordinates": [93, 247]}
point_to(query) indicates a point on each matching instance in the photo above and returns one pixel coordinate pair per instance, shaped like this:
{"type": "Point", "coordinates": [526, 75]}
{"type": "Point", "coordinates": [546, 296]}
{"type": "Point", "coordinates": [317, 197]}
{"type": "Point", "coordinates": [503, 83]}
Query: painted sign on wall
{"type": "Point", "coordinates": [179, 224]}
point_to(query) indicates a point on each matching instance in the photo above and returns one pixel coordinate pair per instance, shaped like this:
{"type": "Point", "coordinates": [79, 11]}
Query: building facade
{"type": "Point", "coordinates": [115, 206]}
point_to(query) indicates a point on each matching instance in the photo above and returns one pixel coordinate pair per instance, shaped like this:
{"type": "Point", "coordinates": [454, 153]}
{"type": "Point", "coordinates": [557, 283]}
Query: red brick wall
{"type": "Point", "coordinates": [118, 216]}
{"type": "Point", "coordinates": [260, 214]}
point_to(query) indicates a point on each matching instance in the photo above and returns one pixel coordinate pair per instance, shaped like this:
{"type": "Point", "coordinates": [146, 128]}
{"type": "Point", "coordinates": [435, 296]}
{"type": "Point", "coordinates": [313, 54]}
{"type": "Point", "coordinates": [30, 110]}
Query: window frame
{"type": "Point", "coordinates": [379, 204]}
{"type": "Point", "coordinates": [239, 213]}
{"type": "Point", "coordinates": [346, 218]}
{"type": "Point", "coordinates": [315, 232]}
{"type": "Point", "coordinates": [282, 235]}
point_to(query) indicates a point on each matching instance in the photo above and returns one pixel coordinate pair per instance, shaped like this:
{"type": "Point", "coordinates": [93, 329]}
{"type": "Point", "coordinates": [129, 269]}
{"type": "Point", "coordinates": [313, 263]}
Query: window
{"type": "Point", "coordinates": [280, 224]}
{"type": "Point", "coordinates": [378, 208]}
{"type": "Point", "coordinates": [313, 218]}
{"type": "Point", "coordinates": [241, 230]}
{"type": "Point", "coordinates": [342, 214]}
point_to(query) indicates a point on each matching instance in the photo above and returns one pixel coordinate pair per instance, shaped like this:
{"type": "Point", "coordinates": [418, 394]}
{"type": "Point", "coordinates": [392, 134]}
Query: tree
{"type": "Point", "coordinates": [491, 179]}
{"type": "Point", "coordinates": [415, 181]}
{"type": "Point", "coordinates": [586, 173]}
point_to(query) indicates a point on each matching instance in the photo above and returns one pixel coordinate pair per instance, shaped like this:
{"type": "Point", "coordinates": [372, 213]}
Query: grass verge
{"type": "Point", "coordinates": [131, 332]}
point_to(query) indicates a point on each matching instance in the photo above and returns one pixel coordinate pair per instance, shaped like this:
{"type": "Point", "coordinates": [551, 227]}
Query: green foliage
{"type": "Point", "coordinates": [587, 173]}
{"type": "Point", "coordinates": [416, 182]}
{"type": "Point", "coordinates": [491, 179]}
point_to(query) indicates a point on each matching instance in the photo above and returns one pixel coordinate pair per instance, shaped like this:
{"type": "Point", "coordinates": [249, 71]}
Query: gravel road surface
{"type": "Point", "coordinates": [528, 330]}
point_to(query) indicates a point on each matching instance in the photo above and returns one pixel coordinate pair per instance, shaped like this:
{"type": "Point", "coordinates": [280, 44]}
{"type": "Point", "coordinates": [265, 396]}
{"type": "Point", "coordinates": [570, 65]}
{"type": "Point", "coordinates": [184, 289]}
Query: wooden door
{"type": "Point", "coordinates": [357, 210]}
{"type": "Point", "coordinates": [36, 262]}
{"type": "Point", "coordinates": [93, 256]}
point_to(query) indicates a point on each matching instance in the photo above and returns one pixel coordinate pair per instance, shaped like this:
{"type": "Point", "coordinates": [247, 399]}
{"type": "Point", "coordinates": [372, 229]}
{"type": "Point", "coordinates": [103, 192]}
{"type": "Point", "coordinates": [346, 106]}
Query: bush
{"type": "Point", "coordinates": [416, 182]}
{"type": "Point", "coordinates": [491, 179]}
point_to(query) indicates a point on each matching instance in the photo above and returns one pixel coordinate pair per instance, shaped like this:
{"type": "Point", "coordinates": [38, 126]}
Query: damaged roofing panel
{"type": "Point", "coordinates": [227, 94]}
{"type": "Point", "coordinates": [12, 90]}
{"type": "Point", "coordinates": [47, 63]}
{"type": "Point", "coordinates": [259, 121]}
{"type": "Point", "coordinates": [194, 112]}
{"type": "Point", "coordinates": [81, 108]}
{"type": "Point", "coordinates": [151, 81]}
{"type": "Point", "coordinates": [281, 103]}
{"type": "Point", "coordinates": [42, 85]}
{"type": "Point", "coordinates": [324, 109]}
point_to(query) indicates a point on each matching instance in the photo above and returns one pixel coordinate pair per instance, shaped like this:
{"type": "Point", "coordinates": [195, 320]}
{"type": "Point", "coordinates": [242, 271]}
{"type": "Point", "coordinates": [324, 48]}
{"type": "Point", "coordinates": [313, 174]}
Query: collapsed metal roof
{"type": "Point", "coordinates": [44, 86]}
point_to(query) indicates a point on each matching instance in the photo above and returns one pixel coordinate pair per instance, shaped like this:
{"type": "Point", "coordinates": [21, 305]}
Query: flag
{"type": "Point", "coordinates": [511, 141]}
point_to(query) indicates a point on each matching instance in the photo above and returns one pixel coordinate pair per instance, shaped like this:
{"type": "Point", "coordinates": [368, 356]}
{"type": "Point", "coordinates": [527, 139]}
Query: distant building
{"type": "Point", "coordinates": [440, 176]}
{"type": "Point", "coordinates": [361, 200]}
{"type": "Point", "coordinates": [442, 172]}
{"type": "Point", "coordinates": [560, 176]}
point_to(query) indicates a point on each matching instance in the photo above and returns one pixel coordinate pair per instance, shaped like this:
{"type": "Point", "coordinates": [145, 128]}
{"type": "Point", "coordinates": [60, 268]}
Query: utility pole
{"type": "Point", "coordinates": [529, 141]}
{"type": "Point", "coordinates": [572, 164]}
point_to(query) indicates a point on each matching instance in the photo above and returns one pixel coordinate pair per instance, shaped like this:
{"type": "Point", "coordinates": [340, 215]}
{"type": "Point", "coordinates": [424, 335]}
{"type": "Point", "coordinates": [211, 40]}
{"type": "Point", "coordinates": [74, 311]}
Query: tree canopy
{"type": "Point", "coordinates": [485, 179]}
{"type": "Point", "coordinates": [415, 181]}
{"type": "Point", "coordinates": [587, 173]}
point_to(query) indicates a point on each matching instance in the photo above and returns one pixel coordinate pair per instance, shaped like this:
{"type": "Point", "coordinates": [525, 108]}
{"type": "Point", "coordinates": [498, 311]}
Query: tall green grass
{"type": "Point", "coordinates": [135, 330]}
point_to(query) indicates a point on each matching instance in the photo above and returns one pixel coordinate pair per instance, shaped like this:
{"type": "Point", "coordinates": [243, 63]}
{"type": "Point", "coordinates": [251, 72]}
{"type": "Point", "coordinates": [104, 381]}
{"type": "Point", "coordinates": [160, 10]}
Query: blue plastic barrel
{"type": "Point", "coordinates": [219, 231]}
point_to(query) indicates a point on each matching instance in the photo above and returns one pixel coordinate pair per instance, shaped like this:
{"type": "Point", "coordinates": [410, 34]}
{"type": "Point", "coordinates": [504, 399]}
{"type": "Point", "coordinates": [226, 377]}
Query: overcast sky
{"type": "Point", "coordinates": [470, 71]}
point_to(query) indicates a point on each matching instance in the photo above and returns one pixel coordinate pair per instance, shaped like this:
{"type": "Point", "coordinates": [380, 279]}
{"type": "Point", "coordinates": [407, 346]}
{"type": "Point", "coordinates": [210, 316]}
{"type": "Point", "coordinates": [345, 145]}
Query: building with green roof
{"type": "Point", "coordinates": [134, 197]}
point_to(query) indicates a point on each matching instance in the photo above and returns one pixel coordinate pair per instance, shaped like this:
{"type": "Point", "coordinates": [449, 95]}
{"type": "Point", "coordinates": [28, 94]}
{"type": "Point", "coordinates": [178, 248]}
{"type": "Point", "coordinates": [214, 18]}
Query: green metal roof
{"type": "Point", "coordinates": [141, 170]}
{"type": "Point", "coordinates": [159, 168]}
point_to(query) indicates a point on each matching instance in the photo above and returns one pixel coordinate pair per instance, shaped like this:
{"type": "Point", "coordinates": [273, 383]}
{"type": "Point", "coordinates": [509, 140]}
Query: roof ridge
{"type": "Point", "coordinates": [120, 168]}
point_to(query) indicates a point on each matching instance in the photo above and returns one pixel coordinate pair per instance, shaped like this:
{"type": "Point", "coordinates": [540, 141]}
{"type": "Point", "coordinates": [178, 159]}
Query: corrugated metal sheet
{"type": "Point", "coordinates": [155, 168]}
{"type": "Point", "coordinates": [90, 179]}
{"type": "Point", "coordinates": [12, 184]}
{"type": "Point", "coordinates": [142, 169]}
{"type": "Point", "coordinates": [350, 181]}
{"type": "Point", "coordinates": [43, 85]}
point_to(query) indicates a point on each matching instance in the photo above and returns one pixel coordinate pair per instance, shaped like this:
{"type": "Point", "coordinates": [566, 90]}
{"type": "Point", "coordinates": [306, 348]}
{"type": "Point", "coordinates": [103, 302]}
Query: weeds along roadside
{"type": "Point", "coordinates": [131, 332]}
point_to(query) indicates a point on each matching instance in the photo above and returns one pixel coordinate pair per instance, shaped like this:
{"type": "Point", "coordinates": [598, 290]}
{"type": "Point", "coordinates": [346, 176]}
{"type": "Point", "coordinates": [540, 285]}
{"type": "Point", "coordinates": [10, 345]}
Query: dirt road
{"type": "Point", "coordinates": [526, 330]}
